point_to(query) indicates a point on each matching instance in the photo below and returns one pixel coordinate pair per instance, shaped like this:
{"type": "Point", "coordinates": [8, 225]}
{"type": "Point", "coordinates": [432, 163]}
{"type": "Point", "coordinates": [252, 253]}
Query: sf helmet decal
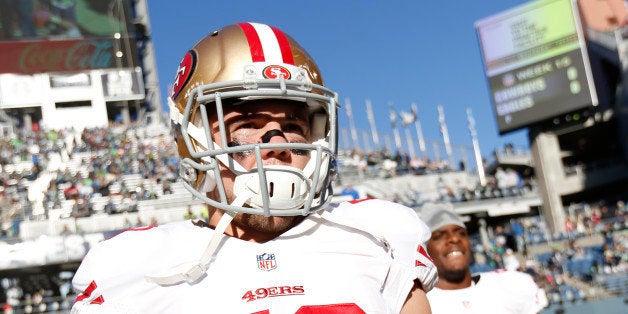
{"type": "Point", "coordinates": [276, 72]}
{"type": "Point", "coordinates": [184, 72]}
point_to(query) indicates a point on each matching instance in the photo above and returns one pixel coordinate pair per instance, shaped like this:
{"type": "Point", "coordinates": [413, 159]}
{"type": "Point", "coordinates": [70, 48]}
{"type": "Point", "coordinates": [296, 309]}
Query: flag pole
{"type": "Point", "coordinates": [445, 133]}
{"type": "Point", "coordinates": [476, 147]}
{"type": "Point", "coordinates": [410, 142]}
{"type": "Point", "coordinates": [354, 132]}
{"type": "Point", "coordinates": [419, 131]}
{"type": "Point", "coordinates": [371, 118]}
{"type": "Point", "coordinates": [408, 118]}
{"type": "Point", "coordinates": [393, 121]}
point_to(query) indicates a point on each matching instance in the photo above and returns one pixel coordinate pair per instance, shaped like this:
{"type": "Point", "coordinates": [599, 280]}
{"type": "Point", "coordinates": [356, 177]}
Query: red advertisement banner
{"type": "Point", "coordinates": [29, 57]}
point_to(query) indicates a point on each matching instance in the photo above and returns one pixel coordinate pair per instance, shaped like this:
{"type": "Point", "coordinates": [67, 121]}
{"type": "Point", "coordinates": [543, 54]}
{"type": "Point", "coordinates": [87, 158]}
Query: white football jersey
{"type": "Point", "coordinates": [357, 257]}
{"type": "Point", "coordinates": [500, 291]}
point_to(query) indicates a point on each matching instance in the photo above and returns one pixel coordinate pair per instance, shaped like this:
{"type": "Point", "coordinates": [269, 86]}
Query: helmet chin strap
{"type": "Point", "coordinates": [196, 271]}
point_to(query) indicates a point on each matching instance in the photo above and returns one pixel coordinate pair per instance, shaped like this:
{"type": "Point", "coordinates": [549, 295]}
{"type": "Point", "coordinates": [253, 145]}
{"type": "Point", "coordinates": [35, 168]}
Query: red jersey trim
{"type": "Point", "coordinates": [87, 293]}
{"type": "Point", "coordinates": [341, 308]}
{"type": "Point", "coordinates": [360, 200]}
{"type": "Point", "coordinates": [140, 228]}
{"type": "Point", "coordinates": [423, 252]}
{"type": "Point", "coordinates": [98, 300]}
{"type": "Point", "coordinates": [133, 229]}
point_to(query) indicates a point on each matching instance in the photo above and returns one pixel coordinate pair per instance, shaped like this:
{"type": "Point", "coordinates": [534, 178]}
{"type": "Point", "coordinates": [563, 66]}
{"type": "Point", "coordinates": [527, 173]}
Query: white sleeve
{"type": "Point", "coordinates": [538, 299]}
{"type": "Point", "coordinates": [111, 270]}
{"type": "Point", "coordinates": [529, 296]}
{"type": "Point", "coordinates": [406, 234]}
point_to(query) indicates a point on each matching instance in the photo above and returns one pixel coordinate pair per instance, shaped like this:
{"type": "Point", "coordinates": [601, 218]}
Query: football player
{"type": "Point", "coordinates": [459, 291]}
{"type": "Point", "coordinates": [256, 132]}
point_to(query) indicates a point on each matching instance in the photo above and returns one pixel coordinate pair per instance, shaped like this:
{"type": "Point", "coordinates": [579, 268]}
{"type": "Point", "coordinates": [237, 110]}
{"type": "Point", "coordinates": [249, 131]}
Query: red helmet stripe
{"type": "Point", "coordinates": [284, 45]}
{"type": "Point", "coordinates": [257, 52]}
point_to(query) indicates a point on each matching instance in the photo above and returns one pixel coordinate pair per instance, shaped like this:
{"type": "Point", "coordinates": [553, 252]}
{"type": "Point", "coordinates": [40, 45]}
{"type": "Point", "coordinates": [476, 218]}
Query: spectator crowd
{"type": "Point", "coordinates": [44, 170]}
{"type": "Point", "coordinates": [79, 168]}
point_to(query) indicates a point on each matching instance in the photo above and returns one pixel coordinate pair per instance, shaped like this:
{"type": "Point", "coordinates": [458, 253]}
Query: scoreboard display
{"type": "Point", "coordinates": [536, 63]}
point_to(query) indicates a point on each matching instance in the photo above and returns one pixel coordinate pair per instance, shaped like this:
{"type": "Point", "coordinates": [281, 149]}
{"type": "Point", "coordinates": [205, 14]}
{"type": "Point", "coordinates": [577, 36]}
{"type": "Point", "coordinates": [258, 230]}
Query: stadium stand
{"type": "Point", "coordinates": [64, 190]}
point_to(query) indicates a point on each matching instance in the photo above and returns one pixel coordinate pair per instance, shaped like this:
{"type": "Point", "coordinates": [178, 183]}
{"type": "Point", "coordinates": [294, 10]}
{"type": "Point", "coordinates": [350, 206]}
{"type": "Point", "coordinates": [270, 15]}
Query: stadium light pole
{"type": "Point", "coordinates": [117, 20]}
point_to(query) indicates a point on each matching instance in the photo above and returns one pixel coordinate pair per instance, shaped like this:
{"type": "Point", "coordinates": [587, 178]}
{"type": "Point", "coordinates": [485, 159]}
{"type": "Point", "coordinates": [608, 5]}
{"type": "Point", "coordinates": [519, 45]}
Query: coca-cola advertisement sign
{"type": "Point", "coordinates": [30, 57]}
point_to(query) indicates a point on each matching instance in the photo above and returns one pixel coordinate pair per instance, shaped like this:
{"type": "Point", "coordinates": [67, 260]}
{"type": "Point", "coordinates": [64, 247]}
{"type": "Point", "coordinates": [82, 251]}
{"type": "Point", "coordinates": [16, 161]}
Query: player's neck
{"type": "Point", "coordinates": [242, 229]}
{"type": "Point", "coordinates": [445, 284]}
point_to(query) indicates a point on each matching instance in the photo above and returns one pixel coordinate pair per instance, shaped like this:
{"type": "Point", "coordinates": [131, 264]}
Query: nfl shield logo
{"type": "Point", "coordinates": [266, 262]}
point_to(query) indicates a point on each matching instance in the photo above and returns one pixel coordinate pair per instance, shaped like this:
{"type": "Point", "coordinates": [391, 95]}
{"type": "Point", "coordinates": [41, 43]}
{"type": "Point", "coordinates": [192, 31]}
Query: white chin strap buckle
{"type": "Point", "coordinates": [195, 273]}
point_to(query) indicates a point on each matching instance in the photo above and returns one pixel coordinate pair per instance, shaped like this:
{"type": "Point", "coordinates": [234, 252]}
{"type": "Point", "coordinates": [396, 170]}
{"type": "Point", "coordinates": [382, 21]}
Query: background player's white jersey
{"type": "Point", "coordinates": [320, 263]}
{"type": "Point", "coordinates": [499, 291]}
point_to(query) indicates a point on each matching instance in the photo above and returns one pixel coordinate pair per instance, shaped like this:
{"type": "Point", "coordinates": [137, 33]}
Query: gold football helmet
{"type": "Point", "coordinates": [238, 63]}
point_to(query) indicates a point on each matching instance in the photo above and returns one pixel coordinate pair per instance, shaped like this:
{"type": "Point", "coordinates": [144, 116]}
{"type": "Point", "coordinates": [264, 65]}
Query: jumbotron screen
{"type": "Point", "coordinates": [536, 63]}
{"type": "Point", "coordinates": [63, 36]}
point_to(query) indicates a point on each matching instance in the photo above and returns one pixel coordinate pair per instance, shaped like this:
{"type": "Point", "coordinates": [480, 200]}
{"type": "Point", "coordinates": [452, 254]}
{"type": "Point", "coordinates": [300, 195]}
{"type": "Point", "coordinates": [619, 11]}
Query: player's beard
{"type": "Point", "coordinates": [274, 225]}
{"type": "Point", "coordinates": [454, 275]}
